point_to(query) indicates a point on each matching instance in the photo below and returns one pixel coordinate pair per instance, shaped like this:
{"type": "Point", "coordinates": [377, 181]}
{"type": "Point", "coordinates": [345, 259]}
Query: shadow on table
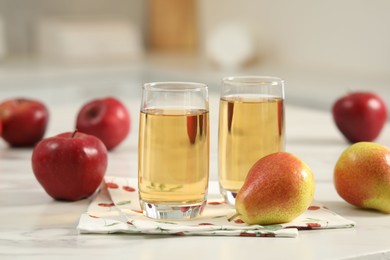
{"type": "Point", "coordinates": [347, 210]}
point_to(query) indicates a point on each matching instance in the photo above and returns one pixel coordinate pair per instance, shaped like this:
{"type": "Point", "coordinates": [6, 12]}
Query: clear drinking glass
{"type": "Point", "coordinates": [251, 125]}
{"type": "Point", "coordinates": [173, 150]}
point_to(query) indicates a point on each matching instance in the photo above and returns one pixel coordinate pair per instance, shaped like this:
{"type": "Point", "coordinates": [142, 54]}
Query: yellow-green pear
{"type": "Point", "coordinates": [362, 176]}
{"type": "Point", "coordinates": [278, 188]}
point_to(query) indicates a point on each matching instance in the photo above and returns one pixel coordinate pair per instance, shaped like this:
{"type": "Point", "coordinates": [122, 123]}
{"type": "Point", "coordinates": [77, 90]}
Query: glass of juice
{"type": "Point", "coordinates": [251, 126]}
{"type": "Point", "coordinates": [173, 150]}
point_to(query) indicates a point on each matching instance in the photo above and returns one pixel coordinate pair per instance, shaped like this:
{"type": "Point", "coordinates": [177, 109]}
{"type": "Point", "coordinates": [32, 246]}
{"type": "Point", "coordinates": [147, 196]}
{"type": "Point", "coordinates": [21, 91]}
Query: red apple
{"type": "Point", "coordinates": [70, 166]}
{"type": "Point", "coordinates": [360, 116]}
{"type": "Point", "coordinates": [107, 119]}
{"type": "Point", "coordinates": [24, 121]}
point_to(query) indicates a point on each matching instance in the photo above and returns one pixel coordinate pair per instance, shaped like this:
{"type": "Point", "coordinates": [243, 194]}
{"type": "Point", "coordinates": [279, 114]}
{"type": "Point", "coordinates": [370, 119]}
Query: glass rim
{"type": "Point", "coordinates": [175, 86]}
{"type": "Point", "coordinates": [253, 80]}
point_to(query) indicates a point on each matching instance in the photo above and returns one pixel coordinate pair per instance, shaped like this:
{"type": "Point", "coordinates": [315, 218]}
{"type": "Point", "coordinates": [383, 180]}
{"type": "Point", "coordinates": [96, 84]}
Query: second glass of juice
{"type": "Point", "coordinates": [251, 126]}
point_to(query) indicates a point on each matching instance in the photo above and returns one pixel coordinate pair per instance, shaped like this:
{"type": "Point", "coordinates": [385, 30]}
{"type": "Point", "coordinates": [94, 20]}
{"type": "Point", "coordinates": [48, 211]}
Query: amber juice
{"type": "Point", "coordinates": [173, 156]}
{"type": "Point", "coordinates": [250, 127]}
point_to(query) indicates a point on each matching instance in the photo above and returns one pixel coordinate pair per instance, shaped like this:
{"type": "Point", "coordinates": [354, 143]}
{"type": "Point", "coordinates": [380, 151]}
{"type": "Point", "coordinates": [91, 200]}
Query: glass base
{"type": "Point", "coordinates": [229, 196]}
{"type": "Point", "coordinates": [169, 211]}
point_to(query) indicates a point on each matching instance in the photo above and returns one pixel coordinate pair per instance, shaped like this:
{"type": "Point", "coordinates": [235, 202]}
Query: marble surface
{"type": "Point", "coordinates": [32, 225]}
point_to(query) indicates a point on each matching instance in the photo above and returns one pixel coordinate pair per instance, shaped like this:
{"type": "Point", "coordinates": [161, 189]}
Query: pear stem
{"type": "Point", "coordinates": [234, 216]}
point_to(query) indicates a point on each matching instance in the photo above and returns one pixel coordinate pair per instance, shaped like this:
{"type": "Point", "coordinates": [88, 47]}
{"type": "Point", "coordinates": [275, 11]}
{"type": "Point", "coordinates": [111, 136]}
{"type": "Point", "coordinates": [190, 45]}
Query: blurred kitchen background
{"type": "Point", "coordinates": [60, 51]}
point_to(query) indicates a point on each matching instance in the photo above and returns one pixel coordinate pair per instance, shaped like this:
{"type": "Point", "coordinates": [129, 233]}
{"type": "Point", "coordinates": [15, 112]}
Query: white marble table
{"type": "Point", "coordinates": [32, 225]}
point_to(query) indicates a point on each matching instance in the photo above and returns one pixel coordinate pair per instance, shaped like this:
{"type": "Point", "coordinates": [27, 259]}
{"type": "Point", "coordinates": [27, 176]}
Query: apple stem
{"type": "Point", "coordinates": [234, 216]}
{"type": "Point", "coordinates": [20, 101]}
{"type": "Point", "coordinates": [74, 133]}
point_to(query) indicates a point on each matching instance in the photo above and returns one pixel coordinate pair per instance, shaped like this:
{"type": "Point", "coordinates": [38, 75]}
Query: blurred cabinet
{"type": "Point", "coordinates": [172, 25]}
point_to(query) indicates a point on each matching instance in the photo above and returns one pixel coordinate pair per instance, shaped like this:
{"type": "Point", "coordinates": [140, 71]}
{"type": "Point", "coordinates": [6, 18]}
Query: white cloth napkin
{"type": "Point", "coordinates": [115, 209]}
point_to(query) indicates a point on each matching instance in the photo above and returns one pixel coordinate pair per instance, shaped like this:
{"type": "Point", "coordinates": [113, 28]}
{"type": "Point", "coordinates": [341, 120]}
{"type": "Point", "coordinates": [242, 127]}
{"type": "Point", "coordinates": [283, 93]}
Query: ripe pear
{"type": "Point", "coordinates": [278, 188]}
{"type": "Point", "coordinates": [362, 176]}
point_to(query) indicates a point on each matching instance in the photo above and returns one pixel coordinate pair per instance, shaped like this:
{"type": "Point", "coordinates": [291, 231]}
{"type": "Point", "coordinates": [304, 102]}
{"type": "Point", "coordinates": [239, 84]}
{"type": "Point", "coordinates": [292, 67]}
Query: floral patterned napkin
{"type": "Point", "coordinates": [115, 209]}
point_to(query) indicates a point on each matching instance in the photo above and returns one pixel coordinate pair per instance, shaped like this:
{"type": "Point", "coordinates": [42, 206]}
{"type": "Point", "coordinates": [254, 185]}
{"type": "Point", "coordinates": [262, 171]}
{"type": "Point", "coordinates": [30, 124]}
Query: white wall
{"type": "Point", "coordinates": [322, 48]}
{"type": "Point", "coordinates": [21, 16]}
{"type": "Point", "coordinates": [332, 35]}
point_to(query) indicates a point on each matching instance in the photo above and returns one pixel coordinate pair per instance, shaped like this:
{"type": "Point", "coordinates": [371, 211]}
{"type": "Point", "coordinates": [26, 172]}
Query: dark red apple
{"type": "Point", "coordinates": [24, 121]}
{"type": "Point", "coordinates": [360, 116]}
{"type": "Point", "coordinates": [107, 118]}
{"type": "Point", "coordinates": [70, 166]}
